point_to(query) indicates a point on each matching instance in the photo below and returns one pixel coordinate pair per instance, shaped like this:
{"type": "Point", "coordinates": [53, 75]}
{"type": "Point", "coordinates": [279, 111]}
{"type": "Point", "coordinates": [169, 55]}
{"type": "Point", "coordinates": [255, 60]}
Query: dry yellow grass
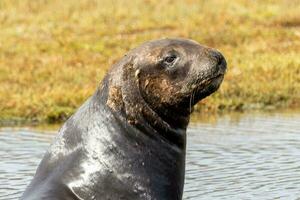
{"type": "Point", "coordinates": [53, 54]}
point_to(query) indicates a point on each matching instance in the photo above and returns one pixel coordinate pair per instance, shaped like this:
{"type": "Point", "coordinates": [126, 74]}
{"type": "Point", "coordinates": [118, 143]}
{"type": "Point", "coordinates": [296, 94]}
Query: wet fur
{"type": "Point", "coordinates": [128, 140]}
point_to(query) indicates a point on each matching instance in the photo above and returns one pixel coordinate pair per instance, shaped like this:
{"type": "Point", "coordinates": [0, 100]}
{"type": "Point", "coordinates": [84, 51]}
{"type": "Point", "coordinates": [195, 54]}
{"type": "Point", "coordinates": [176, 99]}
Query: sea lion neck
{"type": "Point", "coordinates": [127, 104]}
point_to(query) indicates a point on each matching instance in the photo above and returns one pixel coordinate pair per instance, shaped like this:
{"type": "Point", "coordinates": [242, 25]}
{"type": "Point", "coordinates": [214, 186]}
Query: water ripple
{"type": "Point", "coordinates": [254, 158]}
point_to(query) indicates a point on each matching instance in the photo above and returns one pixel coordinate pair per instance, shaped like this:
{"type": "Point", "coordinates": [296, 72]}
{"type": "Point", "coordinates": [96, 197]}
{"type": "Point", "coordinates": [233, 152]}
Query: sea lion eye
{"type": "Point", "coordinates": [169, 60]}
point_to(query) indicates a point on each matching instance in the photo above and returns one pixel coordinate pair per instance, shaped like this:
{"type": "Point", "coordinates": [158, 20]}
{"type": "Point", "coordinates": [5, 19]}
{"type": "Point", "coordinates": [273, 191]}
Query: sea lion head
{"type": "Point", "coordinates": [168, 77]}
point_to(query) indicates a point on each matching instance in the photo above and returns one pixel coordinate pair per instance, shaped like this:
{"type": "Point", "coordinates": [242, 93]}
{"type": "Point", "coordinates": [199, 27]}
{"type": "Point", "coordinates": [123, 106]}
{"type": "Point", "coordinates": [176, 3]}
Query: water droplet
{"type": "Point", "coordinates": [94, 155]}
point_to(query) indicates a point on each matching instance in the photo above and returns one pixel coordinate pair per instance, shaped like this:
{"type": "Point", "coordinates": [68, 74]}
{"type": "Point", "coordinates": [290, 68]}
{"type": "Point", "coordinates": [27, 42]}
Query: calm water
{"type": "Point", "coordinates": [253, 156]}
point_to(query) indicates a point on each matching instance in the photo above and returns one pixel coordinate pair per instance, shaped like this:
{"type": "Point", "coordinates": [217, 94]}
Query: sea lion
{"type": "Point", "coordinates": [128, 140]}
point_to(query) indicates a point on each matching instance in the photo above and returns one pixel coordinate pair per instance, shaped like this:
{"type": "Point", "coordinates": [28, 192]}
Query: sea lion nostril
{"type": "Point", "coordinates": [219, 58]}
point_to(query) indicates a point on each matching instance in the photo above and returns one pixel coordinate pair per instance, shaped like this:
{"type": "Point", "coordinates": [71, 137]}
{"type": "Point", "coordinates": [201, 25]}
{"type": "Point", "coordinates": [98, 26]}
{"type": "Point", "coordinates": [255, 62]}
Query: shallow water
{"type": "Point", "coordinates": [254, 156]}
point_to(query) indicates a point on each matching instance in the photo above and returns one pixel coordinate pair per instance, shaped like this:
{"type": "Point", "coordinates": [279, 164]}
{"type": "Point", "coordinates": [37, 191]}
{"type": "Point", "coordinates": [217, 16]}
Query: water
{"type": "Point", "coordinates": [254, 156]}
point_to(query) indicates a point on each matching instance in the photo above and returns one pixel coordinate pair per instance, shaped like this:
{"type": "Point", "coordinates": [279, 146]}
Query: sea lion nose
{"type": "Point", "coordinates": [220, 60]}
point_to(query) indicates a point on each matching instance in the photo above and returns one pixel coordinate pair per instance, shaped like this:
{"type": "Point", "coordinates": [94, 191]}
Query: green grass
{"type": "Point", "coordinates": [53, 54]}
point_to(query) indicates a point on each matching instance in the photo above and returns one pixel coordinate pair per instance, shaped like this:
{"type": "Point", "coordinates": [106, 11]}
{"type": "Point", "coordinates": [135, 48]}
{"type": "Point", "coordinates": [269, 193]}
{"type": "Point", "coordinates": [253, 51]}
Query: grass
{"type": "Point", "coordinates": [53, 54]}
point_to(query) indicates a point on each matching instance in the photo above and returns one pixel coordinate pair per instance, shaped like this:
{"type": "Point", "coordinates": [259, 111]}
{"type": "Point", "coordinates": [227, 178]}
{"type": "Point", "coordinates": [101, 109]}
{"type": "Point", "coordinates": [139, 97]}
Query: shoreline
{"type": "Point", "coordinates": [197, 115]}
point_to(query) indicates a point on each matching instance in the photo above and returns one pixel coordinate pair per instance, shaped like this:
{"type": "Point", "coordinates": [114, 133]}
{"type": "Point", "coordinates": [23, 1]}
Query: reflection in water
{"type": "Point", "coordinates": [252, 157]}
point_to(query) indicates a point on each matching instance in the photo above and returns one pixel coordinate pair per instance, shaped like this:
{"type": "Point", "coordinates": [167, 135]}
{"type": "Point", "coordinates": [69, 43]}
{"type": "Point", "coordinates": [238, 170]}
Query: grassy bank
{"type": "Point", "coordinates": [53, 54]}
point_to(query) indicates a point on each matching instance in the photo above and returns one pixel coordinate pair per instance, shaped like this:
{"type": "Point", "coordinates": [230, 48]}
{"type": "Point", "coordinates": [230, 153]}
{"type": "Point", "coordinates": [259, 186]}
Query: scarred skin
{"type": "Point", "coordinates": [128, 140]}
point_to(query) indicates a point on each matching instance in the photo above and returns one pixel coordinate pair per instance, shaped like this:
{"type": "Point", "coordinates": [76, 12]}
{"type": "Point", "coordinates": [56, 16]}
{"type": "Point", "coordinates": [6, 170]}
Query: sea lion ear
{"type": "Point", "coordinates": [130, 90]}
{"type": "Point", "coordinates": [119, 82]}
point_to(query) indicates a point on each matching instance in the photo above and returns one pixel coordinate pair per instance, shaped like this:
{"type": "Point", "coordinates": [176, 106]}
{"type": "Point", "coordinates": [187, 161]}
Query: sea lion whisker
{"type": "Point", "coordinates": [192, 100]}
